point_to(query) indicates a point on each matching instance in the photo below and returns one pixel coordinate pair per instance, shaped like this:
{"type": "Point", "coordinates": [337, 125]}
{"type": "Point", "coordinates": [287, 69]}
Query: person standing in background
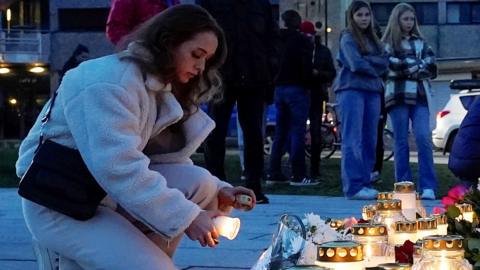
{"type": "Point", "coordinates": [80, 54]}
{"type": "Point", "coordinates": [126, 15]}
{"type": "Point", "coordinates": [322, 76]}
{"type": "Point", "coordinates": [248, 76]}
{"type": "Point", "coordinates": [292, 101]}
{"type": "Point", "coordinates": [358, 90]}
{"type": "Point", "coordinates": [408, 95]}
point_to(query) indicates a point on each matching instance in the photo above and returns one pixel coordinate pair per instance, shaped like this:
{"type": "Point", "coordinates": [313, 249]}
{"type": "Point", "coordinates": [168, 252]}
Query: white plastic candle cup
{"type": "Point", "coordinates": [227, 227]}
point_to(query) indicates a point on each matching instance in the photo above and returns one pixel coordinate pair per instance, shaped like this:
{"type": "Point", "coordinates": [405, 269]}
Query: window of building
{"type": "Point", "coordinates": [83, 19]}
{"type": "Point", "coordinates": [427, 13]}
{"type": "Point", "coordinates": [382, 11]}
{"type": "Point", "coordinates": [27, 15]}
{"type": "Point", "coordinates": [463, 13]}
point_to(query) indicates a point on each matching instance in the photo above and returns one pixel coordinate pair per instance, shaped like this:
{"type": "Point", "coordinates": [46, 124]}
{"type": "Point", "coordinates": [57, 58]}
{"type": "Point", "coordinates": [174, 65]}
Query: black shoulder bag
{"type": "Point", "coordinates": [59, 179]}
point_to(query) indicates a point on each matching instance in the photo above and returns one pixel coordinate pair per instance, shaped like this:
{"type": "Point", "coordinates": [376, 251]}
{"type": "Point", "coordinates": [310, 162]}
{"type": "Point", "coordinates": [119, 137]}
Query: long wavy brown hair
{"type": "Point", "coordinates": [393, 32]}
{"type": "Point", "coordinates": [159, 36]}
{"type": "Point", "coordinates": [360, 36]}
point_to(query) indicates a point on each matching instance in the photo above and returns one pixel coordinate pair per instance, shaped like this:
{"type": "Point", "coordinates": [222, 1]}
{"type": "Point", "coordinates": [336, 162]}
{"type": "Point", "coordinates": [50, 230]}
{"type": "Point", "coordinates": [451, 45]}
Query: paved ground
{"type": "Point", "coordinates": [255, 234]}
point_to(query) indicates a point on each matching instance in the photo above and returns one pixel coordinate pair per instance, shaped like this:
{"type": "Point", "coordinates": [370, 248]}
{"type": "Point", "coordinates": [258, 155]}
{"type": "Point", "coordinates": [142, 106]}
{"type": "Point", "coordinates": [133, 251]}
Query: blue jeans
{"type": "Point", "coordinates": [359, 115]}
{"type": "Point", "coordinates": [292, 103]}
{"type": "Point", "coordinates": [420, 116]}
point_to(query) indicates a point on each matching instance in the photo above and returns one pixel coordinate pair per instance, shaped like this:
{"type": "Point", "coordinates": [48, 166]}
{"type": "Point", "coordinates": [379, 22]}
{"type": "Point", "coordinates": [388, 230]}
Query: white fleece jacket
{"type": "Point", "coordinates": [107, 111]}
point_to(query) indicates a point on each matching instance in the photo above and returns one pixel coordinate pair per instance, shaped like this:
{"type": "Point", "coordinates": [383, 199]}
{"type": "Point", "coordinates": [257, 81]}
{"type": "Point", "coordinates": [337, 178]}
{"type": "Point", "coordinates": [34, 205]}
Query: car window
{"type": "Point", "coordinates": [467, 101]}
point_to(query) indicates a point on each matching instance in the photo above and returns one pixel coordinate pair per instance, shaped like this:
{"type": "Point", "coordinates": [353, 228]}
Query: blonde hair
{"type": "Point", "coordinates": [359, 35]}
{"type": "Point", "coordinates": [393, 32]}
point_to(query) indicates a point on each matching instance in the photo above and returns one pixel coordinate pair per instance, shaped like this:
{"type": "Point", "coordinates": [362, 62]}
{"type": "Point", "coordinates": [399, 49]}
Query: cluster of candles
{"type": "Point", "coordinates": [397, 216]}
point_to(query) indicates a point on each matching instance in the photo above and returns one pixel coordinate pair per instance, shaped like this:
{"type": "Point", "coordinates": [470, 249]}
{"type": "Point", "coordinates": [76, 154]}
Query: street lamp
{"type": "Point", "coordinates": [9, 18]}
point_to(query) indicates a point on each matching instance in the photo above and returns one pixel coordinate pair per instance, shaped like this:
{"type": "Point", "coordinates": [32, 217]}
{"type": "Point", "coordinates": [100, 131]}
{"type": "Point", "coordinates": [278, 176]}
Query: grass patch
{"type": "Point", "coordinates": [330, 177]}
{"type": "Point", "coordinates": [329, 169]}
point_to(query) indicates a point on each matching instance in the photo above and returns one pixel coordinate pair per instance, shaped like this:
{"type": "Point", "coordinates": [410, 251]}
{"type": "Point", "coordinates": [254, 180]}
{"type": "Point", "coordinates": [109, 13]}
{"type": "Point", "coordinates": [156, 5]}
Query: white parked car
{"type": "Point", "coordinates": [451, 116]}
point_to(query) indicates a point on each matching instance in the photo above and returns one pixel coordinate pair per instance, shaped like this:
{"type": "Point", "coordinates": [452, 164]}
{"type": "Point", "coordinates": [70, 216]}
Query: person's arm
{"type": "Point", "coordinates": [120, 19]}
{"type": "Point", "coordinates": [353, 59]}
{"type": "Point", "coordinates": [326, 68]}
{"type": "Point", "coordinates": [400, 67]}
{"type": "Point", "coordinates": [306, 55]}
{"type": "Point", "coordinates": [428, 69]}
{"type": "Point", "coordinates": [105, 122]}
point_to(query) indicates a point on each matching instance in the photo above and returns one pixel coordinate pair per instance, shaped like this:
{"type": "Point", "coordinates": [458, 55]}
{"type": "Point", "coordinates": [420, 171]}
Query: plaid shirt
{"type": "Point", "coordinates": [409, 72]}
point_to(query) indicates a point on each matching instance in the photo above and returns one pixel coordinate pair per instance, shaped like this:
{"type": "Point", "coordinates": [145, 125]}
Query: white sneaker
{"type": "Point", "coordinates": [46, 259]}
{"type": "Point", "coordinates": [365, 194]}
{"type": "Point", "coordinates": [375, 177]}
{"type": "Point", "coordinates": [428, 194]}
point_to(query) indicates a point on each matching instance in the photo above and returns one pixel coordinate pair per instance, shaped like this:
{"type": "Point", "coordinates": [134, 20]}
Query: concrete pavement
{"type": "Point", "coordinates": [255, 233]}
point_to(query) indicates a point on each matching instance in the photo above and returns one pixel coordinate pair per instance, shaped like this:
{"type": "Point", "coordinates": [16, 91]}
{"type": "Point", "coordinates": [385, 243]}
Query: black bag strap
{"type": "Point", "coordinates": [45, 119]}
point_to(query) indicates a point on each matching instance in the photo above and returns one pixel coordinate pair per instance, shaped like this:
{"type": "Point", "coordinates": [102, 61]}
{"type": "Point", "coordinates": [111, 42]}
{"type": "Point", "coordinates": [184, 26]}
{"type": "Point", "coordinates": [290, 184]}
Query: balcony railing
{"type": "Point", "coordinates": [23, 46]}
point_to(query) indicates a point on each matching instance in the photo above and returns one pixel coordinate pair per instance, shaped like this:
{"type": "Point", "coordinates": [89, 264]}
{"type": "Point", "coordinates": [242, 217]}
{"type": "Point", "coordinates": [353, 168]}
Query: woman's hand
{"type": "Point", "coordinates": [229, 196]}
{"type": "Point", "coordinates": [203, 230]}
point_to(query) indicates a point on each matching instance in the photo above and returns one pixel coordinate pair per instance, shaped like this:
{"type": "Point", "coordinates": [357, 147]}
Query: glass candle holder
{"type": "Point", "coordinates": [384, 196]}
{"type": "Point", "coordinates": [336, 224]}
{"type": "Point", "coordinates": [442, 252]}
{"type": "Point", "coordinates": [466, 210]}
{"type": "Point", "coordinates": [404, 230]}
{"type": "Point", "coordinates": [442, 224]}
{"type": "Point", "coordinates": [373, 238]}
{"type": "Point", "coordinates": [368, 211]}
{"type": "Point", "coordinates": [395, 266]}
{"type": "Point", "coordinates": [388, 212]}
{"type": "Point", "coordinates": [426, 227]}
{"type": "Point", "coordinates": [417, 251]}
{"type": "Point", "coordinates": [405, 191]}
{"type": "Point", "coordinates": [227, 227]}
{"type": "Point", "coordinates": [340, 255]}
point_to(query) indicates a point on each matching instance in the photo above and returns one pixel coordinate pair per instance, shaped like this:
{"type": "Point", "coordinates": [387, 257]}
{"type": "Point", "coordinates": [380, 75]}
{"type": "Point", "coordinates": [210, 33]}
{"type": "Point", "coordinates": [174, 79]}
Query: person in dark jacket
{"type": "Point", "coordinates": [248, 77]}
{"type": "Point", "coordinates": [292, 101]}
{"type": "Point", "coordinates": [322, 76]}
{"type": "Point", "coordinates": [80, 54]}
{"type": "Point", "coordinates": [464, 159]}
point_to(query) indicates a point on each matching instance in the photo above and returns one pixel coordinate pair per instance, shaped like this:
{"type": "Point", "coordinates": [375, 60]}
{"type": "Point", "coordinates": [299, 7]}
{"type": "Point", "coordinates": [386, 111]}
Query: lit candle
{"type": "Point", "coordinates": [404, 230]}
{"type": "Point", "coordinates": [395, 266]}
{"type": "Point", "coordinates": [466, 210]}
{"type": "Point", "coordinates": [340, 255]}
{"type": "Point", "coordinates": [385, 196]}
{"type": "Point", "coordinates": [426, 227]}
{"type": "Point", "coordinates": [442, 224]}
{"type": "Point", "coordinates": [388, 212]}
{"type": "Point", "coordinates": [368, 211]}
{"type": "Point", "coordinates": [405, 191]}
{"type": "Point", "coordinates": [226, 226]}
{"type": "Point", "coordinates": [373, 238]}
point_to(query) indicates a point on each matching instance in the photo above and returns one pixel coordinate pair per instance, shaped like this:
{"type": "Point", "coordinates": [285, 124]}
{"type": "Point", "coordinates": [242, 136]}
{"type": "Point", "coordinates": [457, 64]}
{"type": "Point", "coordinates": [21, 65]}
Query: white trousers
{"type": "Point", "coordinates": [109, 240]}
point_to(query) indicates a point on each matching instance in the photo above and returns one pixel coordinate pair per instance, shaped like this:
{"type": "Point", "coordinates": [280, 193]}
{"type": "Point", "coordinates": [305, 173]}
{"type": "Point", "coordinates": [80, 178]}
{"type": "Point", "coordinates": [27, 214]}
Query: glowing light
{"type": "Point", "coordinates": [12, 101]}
{"type": "Point", "coordinates": [329, 30]}
{"type": "Point", "coordinates": [37, 69]}
{"type": "Point", "coordinates": [4, 70]}
{"type": "Point", "coordinates": [9, 15]}
{"type": "Point", "coordinates": [227, 226]}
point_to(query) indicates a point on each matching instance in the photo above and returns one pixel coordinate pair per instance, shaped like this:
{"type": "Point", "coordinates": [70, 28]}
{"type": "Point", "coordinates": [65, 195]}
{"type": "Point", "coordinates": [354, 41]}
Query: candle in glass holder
{"type": "Point", "coordinates": [466, 210]}
{"type": "Point", "coordinates": [404, 230]}
{"type": "Point", "coordinates": [426, 227]}
{"type": "Point", "coordinates": [368, 211]}
{"type": "Point", "coordinates": [336, 224]}
{"type": "Point", "coordinates": [442, 224]}
{"type": "Point", "coordinates": [340, 255]}
{"type": "Point", "coordinates": [384, 196]}
{"type": "Point", "coordinates": [373, 238]}
{"type": "Point", "coordinates": [405, 191]}
{"type": "Point", "coordinates": [388, 212]}
{"type": "Point", "coordinates": [227, 226]}
{"type": "Point", "coordinates": [442, 252]}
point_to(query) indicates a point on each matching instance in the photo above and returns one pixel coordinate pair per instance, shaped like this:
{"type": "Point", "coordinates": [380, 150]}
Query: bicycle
{"type": "Point", "coordinates": [331, 137]}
